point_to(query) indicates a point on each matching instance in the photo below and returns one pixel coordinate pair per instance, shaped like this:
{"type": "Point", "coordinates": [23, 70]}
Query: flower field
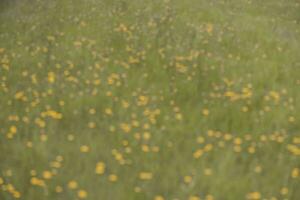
{"type": "Point", "coordinates": [150, 100]}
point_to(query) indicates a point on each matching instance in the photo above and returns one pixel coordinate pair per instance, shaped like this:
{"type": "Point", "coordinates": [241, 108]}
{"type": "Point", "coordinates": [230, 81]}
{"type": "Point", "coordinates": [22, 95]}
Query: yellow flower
{"type": "Point", "coordinates": [145, 175]}
{"type": "Point", "coordinates": [41, 123]}
{"type": "Point", "coordinates": [237, 148]}
{"type": "Point", "coordinates": [295, 173]}
{"type": "Point", "coordinates": [61, 103]}
{"type": "Point", "coordinates": [178, 116]}
{"type": "Point", "coordinates": [208, 147]}
{"type": "Point", "coordinates": [29, 144]}
{"type": "Point", "coordinates": [72, 185]}
{"type": "Point", "coordinates": [284, 191]}
{"type": "Point", "coordinates": [126, 127]}
{"type": "Point", "coordinates": [245, 109]}
{"type": "Point", "coordinates": [51, 77]}
{"type": "Point", "coordinates": [19, 95]}
{"type": "Point", "coordinates": [159, 197]}
{"type": "Point", "coordinates": [84, 148]}
{"type": "Point", "coordinates": [51, 38]}
{"type": "Point", "coordinates": [254, 196]}
{"type": "Point", "coordinates": [71, 137]}
{"type": "Point", "coordinates": [77, 44]}
{"type": "Point", "coordinates": [194, 198]}
{"type": "Point", "coordinates": [200, 140]}
{"type": "Point", "coordinates": [146, 135]}
{"type": "Point", "coordinates": [108, 111]}
{"type": "Point", "coordinates": [198, 153]}
{"type": "Point", "coordinates": [59, 158]}
{"type": "Point", "coordinates": [188, 179]}
{"type": "Point", "coordinates": [16, 194]}
{"type": "Point", "coordinates": [100, 168]}
{"type": "Point", "coordinates": [292, 119]}
{"type": "Point", "coordinates": [142, 101]}
{"type": "Point", "coordinates": [209, 28]}
{"type": "Point", "coordinates": [125, 104]}
{"type": "Point", "coordinates": [180, 67]}
{"type": "Point", "coordinates": [251, 149]}
{"type": "Point", "coordinates": [12, 132]}
{"type": "Point", "coordinates": [238, 141]}
{"type": "Point", "coordinates": [205, 112]}
{"type": "Point", "coordinates": [137, 189]}
{"type": "Point", "coordinates": [92, 111]}
{"type": "Point", "coordinates": [58, 189]}
{"type": "Point", "coordinates": [55, 164]}
{"type": "Point", "coordinates": [293, 149]}
{"type": "Point", "coordinates": [209, 197]}
{"type": "Point", "coordinates": [53, 114]}
{"type": "Point", "coordinates": [36, 181]}
{"type": "Point", "coordinates": [155, 149]}
{"type": "Point", "coordinates": [227, 136]}
{"type": "Point", "coordinates": [112, 177]}
{"type": "Point", "coordinates": [145, 148]}
{"type": "Point", "coordinates": [296, 140]}
{"type": "Point", "coordinates": [13, 129]}
{"type": "Point", "coordinates": [82, 194]}
{"type": "Point", "coordinates": [208, 172]}
{"type": "Point", "coordinates": [47, 175]}
{"type": "Point", "coordinates": [91, 125]}
{"type": "Point", "coordinates": [258, 169]}
{"type": "Point", "coordinates": [43, 137]}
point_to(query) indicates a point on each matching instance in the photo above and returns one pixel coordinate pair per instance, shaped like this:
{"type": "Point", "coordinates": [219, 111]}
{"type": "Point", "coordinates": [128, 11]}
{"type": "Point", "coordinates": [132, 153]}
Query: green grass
{"type": "Point", "coordinates": [200, 97]}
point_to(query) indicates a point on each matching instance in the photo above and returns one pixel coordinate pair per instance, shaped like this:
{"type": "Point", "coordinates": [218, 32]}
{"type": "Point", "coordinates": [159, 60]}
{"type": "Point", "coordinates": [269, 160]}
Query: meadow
{"type": "Point", "coordinates": [150, 100]}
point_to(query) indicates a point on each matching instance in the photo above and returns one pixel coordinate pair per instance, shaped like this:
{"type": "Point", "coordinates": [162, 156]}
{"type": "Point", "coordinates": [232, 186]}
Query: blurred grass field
{"type": "Point", "coordinates": [158, 100]}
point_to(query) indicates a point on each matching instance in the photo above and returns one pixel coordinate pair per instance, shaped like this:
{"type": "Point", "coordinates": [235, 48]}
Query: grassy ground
{"type": "Point", "coordinates": [162, 100]}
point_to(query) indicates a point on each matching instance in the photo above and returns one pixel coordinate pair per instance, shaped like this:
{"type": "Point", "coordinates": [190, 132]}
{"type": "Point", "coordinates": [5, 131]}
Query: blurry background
{"type": "Point", "coordinates": [115, 99]}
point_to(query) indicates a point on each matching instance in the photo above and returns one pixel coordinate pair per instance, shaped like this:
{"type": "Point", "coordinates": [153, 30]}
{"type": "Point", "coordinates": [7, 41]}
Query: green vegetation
{"type": "Point", "coordinates": [158, 100]}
